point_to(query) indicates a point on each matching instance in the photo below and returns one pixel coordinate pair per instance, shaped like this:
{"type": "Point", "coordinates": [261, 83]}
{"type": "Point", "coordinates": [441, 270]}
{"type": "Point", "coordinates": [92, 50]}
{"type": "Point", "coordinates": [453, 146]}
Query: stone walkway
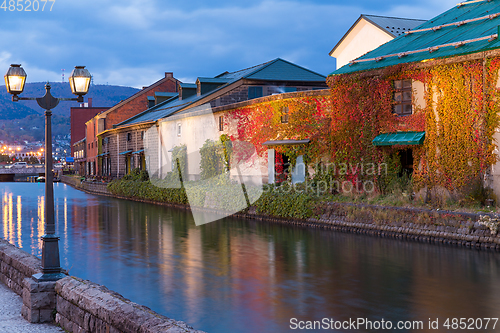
{"type": "Point", "coordinates": [10, 315]}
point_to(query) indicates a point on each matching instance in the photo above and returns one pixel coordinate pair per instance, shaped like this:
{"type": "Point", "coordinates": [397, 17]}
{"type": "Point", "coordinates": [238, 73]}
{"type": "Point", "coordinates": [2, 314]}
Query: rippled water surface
{"type": "Point", "coordinates": [239, 275]}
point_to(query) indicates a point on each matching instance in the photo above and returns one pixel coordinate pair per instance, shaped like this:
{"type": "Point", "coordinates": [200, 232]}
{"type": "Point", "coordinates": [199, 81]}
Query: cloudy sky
{"type": "Point", "coordinates": [133, 42]}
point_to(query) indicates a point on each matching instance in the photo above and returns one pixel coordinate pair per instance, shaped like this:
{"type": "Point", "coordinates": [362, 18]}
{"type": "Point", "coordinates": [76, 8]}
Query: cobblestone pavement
{"type": "Point", "coordinates": [10, 315]}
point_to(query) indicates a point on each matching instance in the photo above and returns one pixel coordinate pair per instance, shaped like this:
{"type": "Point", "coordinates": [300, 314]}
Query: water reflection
{"type": "Point", "coordinates": [246, 276]}
{"type": "Point", "coordinates": [19, 220]}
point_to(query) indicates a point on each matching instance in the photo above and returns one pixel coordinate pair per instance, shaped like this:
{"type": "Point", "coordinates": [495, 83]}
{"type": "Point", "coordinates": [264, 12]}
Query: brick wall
{"type": "Point", "coordinates": [79, 116]}
{"type": "Point", "coordinates": [240, 94]}
{"type": "Point", "coordinates": [234, 96]}
{"type": "Point", "coordinates": [16, 265]}
{"type": "Point", "coordinates": [120, 112]}
{"type": "Point", "coordinates": [91, 143]}
{"type": "Point", "coordinates": [118, 142]}
{"type": "Point", "coordinates": [139, 103]}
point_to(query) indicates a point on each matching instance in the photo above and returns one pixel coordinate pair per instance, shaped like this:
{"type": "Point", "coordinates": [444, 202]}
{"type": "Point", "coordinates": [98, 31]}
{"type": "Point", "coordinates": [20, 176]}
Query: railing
{"type": "Point", "coordinates": [98, 179]}
{"type": "Point", "coordinates": [7, 169]}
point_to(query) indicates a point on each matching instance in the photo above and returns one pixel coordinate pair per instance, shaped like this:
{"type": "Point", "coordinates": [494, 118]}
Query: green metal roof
{"type": "Point", "coordinates": [213, 80]}
{"type": "Point", "coordinates": [166, 94]}
{"type": "Point", "coordinates": [282, 70]}
{"type": "Point", "coordinates": [274, 70]}
{"type": "Point", "coordinates": [393, 52]}
{"type": "Point", "coordinates": [399, 138]}
{"type": "Point", "coordinates": [188, 85]}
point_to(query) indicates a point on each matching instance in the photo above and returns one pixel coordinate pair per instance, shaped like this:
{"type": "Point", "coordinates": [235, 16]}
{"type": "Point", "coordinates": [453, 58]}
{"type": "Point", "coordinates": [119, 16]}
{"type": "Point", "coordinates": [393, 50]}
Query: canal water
{"type": "Point", "coordinates": [244, 276]}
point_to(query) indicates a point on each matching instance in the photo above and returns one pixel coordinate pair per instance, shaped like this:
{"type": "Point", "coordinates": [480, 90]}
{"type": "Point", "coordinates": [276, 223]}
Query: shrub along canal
{"type": "Point", "coordinates": [238, 275]}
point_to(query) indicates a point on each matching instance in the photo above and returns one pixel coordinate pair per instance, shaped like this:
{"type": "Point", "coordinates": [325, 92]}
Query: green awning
{"type": "Point", "coordinates": [286, 142]}
{"type": "Point", "coordinates": [399, 138]}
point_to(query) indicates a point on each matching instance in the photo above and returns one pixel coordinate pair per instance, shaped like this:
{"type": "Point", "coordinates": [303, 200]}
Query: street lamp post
{"type": "Point", "coordinates": [79, 81]}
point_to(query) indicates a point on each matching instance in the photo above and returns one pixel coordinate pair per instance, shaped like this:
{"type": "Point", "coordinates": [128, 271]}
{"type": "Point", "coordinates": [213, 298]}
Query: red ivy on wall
{"type": "Point", "coordinates": [459, 118]}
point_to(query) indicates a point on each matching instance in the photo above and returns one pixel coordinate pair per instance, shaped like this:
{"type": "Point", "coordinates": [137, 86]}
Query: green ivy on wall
{"type": "Point", "coordinates": [215, 157]}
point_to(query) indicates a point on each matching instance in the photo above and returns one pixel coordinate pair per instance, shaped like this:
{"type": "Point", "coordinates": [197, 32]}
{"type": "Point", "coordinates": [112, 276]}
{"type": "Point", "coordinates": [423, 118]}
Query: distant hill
{"type": "Point", "coordinates": [10, 110]}
{"type": "Point", "coordinates": [102, 96]}
{"type": "Point", "coordinates": [24, 120]}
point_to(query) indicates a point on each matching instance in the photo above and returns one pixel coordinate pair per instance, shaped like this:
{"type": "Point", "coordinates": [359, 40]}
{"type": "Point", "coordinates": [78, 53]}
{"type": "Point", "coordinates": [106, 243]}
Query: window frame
{"type": "Point", "coordinates": [255, 92]}
{"type": "Point", "coordinates": [221, 123]}
{"type": "Point", "coordinates": [285, 115]}
{"type": "Point", "coordinates": [402, 89]}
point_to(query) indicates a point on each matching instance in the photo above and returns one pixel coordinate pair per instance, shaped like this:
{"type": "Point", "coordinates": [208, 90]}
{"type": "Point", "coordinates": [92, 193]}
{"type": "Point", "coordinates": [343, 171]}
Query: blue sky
{"type": "Point", "coordinates": [133, 42]}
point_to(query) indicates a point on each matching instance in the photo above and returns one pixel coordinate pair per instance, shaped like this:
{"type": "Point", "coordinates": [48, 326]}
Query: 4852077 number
{"type": "Point", "coordinates": [27, 5]}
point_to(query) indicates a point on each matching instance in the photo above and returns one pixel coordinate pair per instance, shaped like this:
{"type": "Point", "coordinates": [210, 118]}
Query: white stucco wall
{"type": "Point", "coordinates": [418, 88]}
{"type": "Point", "coordinates": [271, 156]}
{"type": "Point", "coordinates": [494, 178]}
{"type": "Point", "coordinates": [299, 171]}
{"type": "Point", "coordinates": [199, 126]}
{"type": "Point", "coordinates": [364, 37]}
{"type": "Point", "coordinates": [195, 130]}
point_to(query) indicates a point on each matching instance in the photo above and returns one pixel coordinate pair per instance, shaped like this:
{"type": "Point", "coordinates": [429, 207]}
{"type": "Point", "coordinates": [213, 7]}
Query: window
{"type": "Point", "coordinates": [142, 135]}
{"type": "Point", "coordinates": [290, 89]}
{"type": "Point", "coordinates": [178, 129]}
{"type": "Point", "coordinates": [254, 92]}
{"type": "Point", "coordinates": [129, 136]}
{"type": "Point", "coordinates": [284, 115]}
{"type": "Point", "coordinates": [221, 123]}
{"type": "Point", "coordinates": [402, 97]}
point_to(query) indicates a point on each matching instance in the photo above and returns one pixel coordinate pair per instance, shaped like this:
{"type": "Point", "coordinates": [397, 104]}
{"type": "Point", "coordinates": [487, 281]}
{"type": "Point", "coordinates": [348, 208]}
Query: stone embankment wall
{"type": "Point", "coordinates": [87, 186]}
{"type": "Point", "coordinates": [83, 306]}
{"type": "Point", "coordinates": [79, 306]}
{"type": "Point", "coordinates": [16, 265]}
{"type": "Point", "coordinates": [422, 225]}
{"type": "Point", "coordinates": [17, 268]}
{"type": "Point", "coordinates": [414, 224]}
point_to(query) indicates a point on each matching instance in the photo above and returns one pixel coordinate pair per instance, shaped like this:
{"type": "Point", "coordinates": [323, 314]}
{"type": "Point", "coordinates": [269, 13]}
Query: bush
{"type": "Point", "coordinates": [218, 193]}
{"type": "Point", "coordinates": [289, 204]}
{"type": "Point", "coordinates": [137, 188]}
{"type": "Point", "coordinates": [215, 156]}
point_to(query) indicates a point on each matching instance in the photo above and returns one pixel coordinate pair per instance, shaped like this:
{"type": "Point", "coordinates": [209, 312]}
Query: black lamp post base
{"type": "Point", "coordinates": [48, 277]}
{"type": "Point", "coordinates": [51, 268]}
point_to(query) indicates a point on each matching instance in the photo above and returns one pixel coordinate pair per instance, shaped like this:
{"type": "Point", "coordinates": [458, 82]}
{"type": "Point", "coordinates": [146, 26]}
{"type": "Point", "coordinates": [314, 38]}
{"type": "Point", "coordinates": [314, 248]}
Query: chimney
{"type": "Point", "coordinates": [90, 102]}
{"type": "Point", "coordinates": [169, 75]}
